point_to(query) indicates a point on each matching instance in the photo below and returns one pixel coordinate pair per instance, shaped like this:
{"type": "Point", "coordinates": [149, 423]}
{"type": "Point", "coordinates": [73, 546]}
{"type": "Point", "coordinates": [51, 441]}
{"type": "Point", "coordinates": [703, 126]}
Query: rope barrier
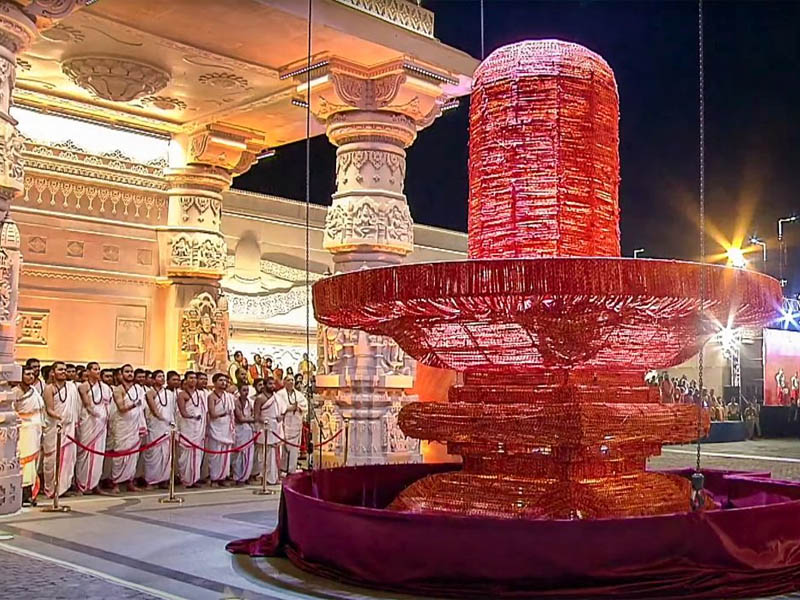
{"type": "Point", "coordinates": [210, 451]}
{"type": "Point", "coordinates": [119, 453]}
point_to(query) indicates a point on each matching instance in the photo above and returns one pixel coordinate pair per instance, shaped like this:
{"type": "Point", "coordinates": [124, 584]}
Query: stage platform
{"type": "Point", "coordinates": [726, 431]}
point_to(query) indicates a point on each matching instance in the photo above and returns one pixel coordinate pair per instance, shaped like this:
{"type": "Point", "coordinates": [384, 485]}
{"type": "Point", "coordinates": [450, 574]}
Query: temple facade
{"type": "Point", "coordinates": [123, 238]}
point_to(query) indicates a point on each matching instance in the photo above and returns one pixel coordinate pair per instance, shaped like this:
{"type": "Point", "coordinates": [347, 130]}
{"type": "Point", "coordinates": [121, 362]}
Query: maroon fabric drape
{"type": "Point", "coordinates": [329, 525]}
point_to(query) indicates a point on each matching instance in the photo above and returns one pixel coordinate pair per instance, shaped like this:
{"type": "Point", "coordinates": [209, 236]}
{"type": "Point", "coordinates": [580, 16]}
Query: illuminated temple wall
{"type": "Point", "coordinates": [94, 284]}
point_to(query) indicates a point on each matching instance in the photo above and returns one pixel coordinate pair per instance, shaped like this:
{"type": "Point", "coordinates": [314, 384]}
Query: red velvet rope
{"type": "Point", "coordinates": [332, 438]}
{"type": "Point", "coordinates": [119, 453]}
{"type": "Point", "coordinates": [210, 451]}
{"type": "Point", "coordinates": [287, 442]}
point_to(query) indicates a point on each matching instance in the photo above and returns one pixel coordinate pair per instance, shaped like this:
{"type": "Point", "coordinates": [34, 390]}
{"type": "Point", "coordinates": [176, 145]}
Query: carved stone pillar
{"type": "Point", "coordinates": [372, 115]}
{"type": "Point", "coordinates": [202, 166]}
{"type": "Point", "coordinates": [19, 26]}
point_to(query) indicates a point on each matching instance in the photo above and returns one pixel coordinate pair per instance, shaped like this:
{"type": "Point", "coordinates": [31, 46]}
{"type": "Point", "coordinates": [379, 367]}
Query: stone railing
{"type": "Point", "coordinates": [407, 14]}
{"type": "Point", "coordinates": [66, 179]}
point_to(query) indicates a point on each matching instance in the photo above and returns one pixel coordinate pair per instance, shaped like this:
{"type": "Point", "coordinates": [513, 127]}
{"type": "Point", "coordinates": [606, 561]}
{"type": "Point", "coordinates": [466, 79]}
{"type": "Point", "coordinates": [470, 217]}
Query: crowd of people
{"type": "Point", "coordinates": [682, 390]}
{"type": "Point", "coordinates": [115, 425]}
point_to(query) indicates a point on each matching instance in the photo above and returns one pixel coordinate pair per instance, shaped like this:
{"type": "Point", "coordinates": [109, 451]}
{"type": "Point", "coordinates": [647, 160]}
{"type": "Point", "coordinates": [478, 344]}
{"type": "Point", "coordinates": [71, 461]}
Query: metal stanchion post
{"type": "Point", "coordinates": [173, 467]}
{"type": "Point", "coordinates": [263, 490]}
{"type": "Point", "coordinates": [57, 477]}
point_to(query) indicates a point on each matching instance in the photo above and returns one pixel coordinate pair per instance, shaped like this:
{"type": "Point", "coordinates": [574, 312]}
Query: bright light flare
{"type": "Point", "coordinates": [788, 318]}
{"type": "Point", "coordinates": [736, 257]}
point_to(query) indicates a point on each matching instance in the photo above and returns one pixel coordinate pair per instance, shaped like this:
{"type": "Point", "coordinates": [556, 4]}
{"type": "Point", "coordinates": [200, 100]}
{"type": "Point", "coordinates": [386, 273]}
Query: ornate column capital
{"type": "Point", "coordinates": [402, 87]}
{"type": "Point", "coordinates": [226, 147]}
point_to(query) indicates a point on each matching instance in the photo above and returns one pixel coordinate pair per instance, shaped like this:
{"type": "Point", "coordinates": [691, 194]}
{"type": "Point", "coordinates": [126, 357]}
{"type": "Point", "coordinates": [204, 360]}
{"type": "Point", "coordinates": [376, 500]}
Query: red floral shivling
{"type": "Point", "coordinates": [552, 329]}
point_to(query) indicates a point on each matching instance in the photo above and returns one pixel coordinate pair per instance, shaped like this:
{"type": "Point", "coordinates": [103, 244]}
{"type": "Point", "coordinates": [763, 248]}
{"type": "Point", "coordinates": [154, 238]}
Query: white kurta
{"type": "Point", "coordinates": [127, 430]}
{"type": "Point", "coordinates": [29, 407]}
{"type": "Point", "coordinates": [220, 436]}
{"type": "Point", "coordinates": [66, 404]}
{"type": "Point", "coordinates": [243, 459]}
{"type": "Point", "coordinates": [92, 434]}
{"type": "Point", "coordinates": [190, 459]}
{"type": "Point", "coordinates": [272, 415]}
{"type": "Point", "coordinates": [157, 458]}
{"type": "Point", "coordinates": [294, 408]}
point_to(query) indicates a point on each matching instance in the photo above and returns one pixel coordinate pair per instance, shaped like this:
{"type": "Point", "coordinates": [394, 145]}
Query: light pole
{"type": "Point", "coordinates": [782, 245]}
{"type": "Point", "coordinates": [759, 242]}
{"type": "Point", "coordinates": [637, 252]}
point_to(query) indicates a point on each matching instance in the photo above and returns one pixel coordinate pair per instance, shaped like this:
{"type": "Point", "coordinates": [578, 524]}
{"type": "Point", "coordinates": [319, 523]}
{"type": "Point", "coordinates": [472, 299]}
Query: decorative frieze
{"type": "Point", "coordinates": [54, 194]}
{"type": "Point", "coordinates": [195, 253]}
{"type": "Point", "coordinates": [363, 222]}
{"type": "Point", "coordinates": [403, 13]}
{"type": "Point", "coordinates": [264, 306]}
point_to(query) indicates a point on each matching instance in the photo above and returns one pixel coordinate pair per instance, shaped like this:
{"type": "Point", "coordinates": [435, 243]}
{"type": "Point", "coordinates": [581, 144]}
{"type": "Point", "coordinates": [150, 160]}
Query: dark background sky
{"type": "Point", "coordinates": [752, 119]}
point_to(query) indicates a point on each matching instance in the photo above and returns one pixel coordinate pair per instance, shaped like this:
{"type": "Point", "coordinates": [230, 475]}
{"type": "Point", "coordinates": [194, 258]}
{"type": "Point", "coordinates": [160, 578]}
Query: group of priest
{"type": "Point", "coordinates": [106, 419]}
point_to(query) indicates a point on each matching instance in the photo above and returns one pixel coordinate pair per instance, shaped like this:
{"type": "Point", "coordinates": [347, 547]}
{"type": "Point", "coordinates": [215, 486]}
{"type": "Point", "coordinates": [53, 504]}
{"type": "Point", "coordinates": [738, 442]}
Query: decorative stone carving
{"type": "Point", "coordinates": [230, 148]}
{"type": "Point", "coordinates": [75, 249]}
{"type": "Point", "coordinates": [164, 102]}
{"type": "Point", "coordinates": [115, 79]}
{"type": "Point", "coordinates": [357, 222]}
{"type": "Point", "coordinates": [265, 306]}
{"type": "Point", "coordinates": [401, 87]}
{"type": "Point", "coordinates": [6, 285]}
{"type": "Point", "coordinates": [12, 163]}
{"type": "Point", "coordinates": [111, 253]}
{"type": "Point", "coordinates": [223, 81]}
{"type": "Point", "coordinates": [197, 253]}
{"type": "Point", "coordinates": [144, 257]}
{"type": "Point", "coordinates": [204, 334]}
{"type": "Point", "coordinates": [129, 334]}
{"type": "Point", "coordinates": [64, 34]}
{"type": "Point", "coordinates": [206, 209]}
{"type": "Point", "coordinates": [409, 15]}
{"type": "Point", "coordinates": [37, 244]}
{"type": "Point", "coordinates": [32, 327]}
{"type": "Point", "coordinates": [394, 440]}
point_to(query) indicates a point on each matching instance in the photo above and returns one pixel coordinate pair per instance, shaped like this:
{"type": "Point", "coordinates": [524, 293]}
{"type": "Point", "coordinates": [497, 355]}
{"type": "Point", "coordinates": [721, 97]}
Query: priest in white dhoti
{"type": "Point", "coordinates": [29, 407]}
{"type": "Point", "coordinates": [268, 413]}
{"type": "Point", "coordinates": [62, 406]}
{"type": "Point", "coordinates": [160, 413]}
{"type": "Point", "coordinates": [245, 430]}
{"type": "Point", "coordinates": [220, 430]}
{"type": "Point", "coordinates": [192, 426]}
{"type": "Point", "coordinates": [127, 430]}
{"type": "Point", "coordinates": [96, 399]}
{"type": "Point", "coordinates": [294, 408]}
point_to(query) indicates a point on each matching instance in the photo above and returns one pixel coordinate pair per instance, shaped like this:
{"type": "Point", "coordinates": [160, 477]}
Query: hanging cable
{"type": "Point", "coordinates": [309, 390]}
{"type": "Point", "coordinates": [483, 39]}
{"type": "Point", "coordinates": [697, 478]}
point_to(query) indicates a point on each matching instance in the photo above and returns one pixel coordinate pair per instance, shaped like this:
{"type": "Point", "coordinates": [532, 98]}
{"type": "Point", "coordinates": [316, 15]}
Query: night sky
{"type": "Point", "coordinates": [752, 120]}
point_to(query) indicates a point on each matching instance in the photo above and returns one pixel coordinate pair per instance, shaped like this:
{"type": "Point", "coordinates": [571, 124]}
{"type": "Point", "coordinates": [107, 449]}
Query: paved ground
{"type": "Point", "coordinates": [132, 547]}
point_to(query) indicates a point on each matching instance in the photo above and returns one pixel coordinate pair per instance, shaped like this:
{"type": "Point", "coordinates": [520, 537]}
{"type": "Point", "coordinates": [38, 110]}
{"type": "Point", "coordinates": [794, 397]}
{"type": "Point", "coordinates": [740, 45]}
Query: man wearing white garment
{"type": "Point", "coordinates": [245, 430]}
{"type": "Point", "coordinates": [30, 411]}
{"type": "Point", "coordinates": [96, 398]}
{"type": "Point", "coordinates": [267, 413]}
{"type": "Point", "coordinates": [62, 407]}
{"type": "Point", "coordinates": [294, 408]}
{"type": "Point", "coordinates": [192, 425]}
{"type": "Point", "coordinates": [127, 428]}
{"type": "Point", "coordinates": [160, 414]}
{"type": "Point", "coordinates": [220, 430]}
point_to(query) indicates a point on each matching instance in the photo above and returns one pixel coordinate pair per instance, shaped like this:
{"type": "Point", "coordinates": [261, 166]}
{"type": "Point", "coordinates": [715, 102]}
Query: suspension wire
{"type": "Point", "coordinates": [702, 107]}
{"type": "Point", "coordinates": [483, 38]}
{"type": "Point", "coordinates": [308, 233]}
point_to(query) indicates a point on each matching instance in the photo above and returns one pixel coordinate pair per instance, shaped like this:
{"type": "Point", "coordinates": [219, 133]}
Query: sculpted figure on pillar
{"type": "Point", "coordinates": [20, 23]}
{"type": "Point", "coordinates": [372, 115]}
